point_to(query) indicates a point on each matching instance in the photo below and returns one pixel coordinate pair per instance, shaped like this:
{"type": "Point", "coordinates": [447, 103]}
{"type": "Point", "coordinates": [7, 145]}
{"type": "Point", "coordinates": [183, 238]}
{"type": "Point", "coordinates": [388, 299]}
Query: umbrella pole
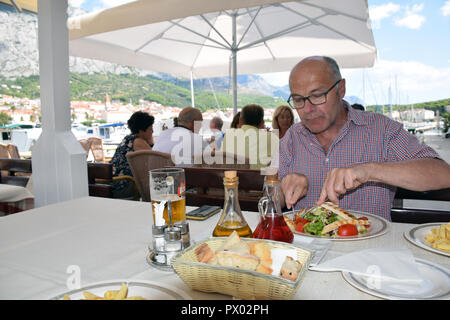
{"type": "Point", "coordinates": [233, 61]}
{"type": "Point", "coordinates": [192, 90]}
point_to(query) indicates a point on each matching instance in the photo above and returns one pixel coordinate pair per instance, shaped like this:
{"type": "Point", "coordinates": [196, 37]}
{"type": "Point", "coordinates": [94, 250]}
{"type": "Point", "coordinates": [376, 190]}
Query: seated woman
{"type": "Point", "coordinates": [236, 122]}
{"type": "Point", "coordinates": [283, 119]}
{"type": "Point", "coordinates": [141, 138]}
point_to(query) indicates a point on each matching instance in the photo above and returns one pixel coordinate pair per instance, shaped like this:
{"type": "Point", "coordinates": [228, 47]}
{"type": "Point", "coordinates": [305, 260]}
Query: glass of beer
{"type": "Point", "coordinates": [169, 185]}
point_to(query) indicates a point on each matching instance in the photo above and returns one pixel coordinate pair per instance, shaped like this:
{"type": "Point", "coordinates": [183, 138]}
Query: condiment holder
{"type": "Point", "coordinates": [167, 242]}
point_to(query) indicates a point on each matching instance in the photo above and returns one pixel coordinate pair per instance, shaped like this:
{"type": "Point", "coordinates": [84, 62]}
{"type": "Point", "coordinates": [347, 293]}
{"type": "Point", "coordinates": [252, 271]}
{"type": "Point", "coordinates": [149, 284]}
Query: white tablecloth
{"type": "Point", "coordinates": [11, 193]}
{"type": "Point", "coordinates": [108, 239]}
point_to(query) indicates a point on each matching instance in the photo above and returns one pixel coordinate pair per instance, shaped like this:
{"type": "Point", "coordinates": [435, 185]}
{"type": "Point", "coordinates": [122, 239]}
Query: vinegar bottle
{"type": "Point", "coordinates": [272, 225]}
{"type": "Point", "coordinates": [231, 218]}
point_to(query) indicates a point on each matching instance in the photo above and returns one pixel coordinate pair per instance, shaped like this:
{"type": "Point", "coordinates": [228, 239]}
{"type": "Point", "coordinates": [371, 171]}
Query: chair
{"type": "Point", "coordinates": [226, 160]}
{"type": "Point", "coordinates": [4, 153]}
{"type": "Point", "coordinates": [100, 178]}
{"type": "Point", "coordinates": [97, 149]}
{"type": "Point", "coordinates": [141, 162]}
{"type": "Point", "coordinates": [13, 151]}
{"type": "Point", "coordinates": [86, 144]}
{"type": "Point", "coordinates": [407, 215]}
{"type": "Point", "coordinates": [15, 171]}
{"type": "Point", "coordinates": [204, 186]}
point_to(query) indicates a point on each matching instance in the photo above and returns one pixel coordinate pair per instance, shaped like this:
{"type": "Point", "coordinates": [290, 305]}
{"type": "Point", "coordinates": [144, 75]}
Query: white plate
{"type": "Point", "coordinates": [378, 227]}
{"type": "Point", "coordinates": [147, 289]}
{"type": "Point", "coordinates": [416, 235]}
{"type": "Point", "coordinates": [436, 285]}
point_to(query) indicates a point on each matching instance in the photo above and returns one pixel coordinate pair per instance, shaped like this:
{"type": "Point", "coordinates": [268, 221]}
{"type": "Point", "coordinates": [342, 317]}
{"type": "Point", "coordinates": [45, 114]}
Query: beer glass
{"type": "Point", "coordinates": [169, 185]}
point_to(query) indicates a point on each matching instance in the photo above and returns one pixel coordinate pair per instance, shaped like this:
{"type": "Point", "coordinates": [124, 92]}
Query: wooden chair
{"type": "Point", "coordinates": [204, 186]}
{"type": "Point", "coordinates": [407, 215]}
{"type": "Point", "coordinates": [100, 178]}
{"type": "Point", "coordinates": [226, 160]}
{"type": "Point", "coordinates": [141, 162]}
{"type": "Point", "coordinates": [15, 171]}
{"type": "Point", "coordinates": [86, 144]}
{"type": "Point", "coordinates": [13, 151]}
{"type": "Point", "coordinates": [97, 149]}
{"type": "Point", "coordinates": [4, 153]}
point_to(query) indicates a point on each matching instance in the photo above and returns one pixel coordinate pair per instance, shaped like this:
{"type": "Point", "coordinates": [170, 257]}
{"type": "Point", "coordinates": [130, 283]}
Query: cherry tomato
{"type": "Point", "coordinates": [300, 224]}
{"type": "Point", "coordinates": [347, 230]}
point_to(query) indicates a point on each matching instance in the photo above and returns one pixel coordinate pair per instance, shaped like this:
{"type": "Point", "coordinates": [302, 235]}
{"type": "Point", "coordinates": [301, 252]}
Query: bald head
{"type": "Point", "coordinates": [188, 116]}
{"type": "Point", "coordinates": [325, 65]}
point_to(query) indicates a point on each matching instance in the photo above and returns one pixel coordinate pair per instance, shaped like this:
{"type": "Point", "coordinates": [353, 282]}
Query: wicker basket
{"type": "Point", "coordinates": [242, 284]}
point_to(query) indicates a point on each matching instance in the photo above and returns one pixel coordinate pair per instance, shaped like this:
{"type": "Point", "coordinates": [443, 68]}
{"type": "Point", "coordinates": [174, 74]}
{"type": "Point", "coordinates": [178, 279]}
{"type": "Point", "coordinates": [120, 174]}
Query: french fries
{"type": "Point", "coordinates": [121, 294]}
{"type": "Point", "coordinates": [439, 238]}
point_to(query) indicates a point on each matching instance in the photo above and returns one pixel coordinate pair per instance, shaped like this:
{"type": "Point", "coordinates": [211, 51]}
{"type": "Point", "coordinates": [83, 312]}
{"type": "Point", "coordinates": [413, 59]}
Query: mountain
{"type": "Point", "coordinates": [19, 57]}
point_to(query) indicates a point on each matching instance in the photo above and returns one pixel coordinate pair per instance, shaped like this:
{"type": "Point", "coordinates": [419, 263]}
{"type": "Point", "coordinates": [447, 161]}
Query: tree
{"type": "Point", "coordinates": [4, 118]}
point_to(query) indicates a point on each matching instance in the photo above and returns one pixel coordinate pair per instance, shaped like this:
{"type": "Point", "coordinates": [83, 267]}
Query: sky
{"type": "Point", "coordinates": [412, 38]}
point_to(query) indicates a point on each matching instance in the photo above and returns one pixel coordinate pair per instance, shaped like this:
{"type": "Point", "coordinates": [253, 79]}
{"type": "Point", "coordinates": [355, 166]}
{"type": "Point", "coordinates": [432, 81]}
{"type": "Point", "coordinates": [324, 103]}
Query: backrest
{"type": "Point", "coordinates": [100, 171]}
{"type": "Point", "coordinates": [225, 160]}
{"type": "Point", "coordinates": [399, 213]}
{"type": "Point", "coordinates": [205, 186]}
{"type": "Point", "coordinates": [141, 162]}
{"type": "Point", "coordinates": [4, 153]}
{"type": "Point", "coordinates": [12, 166]}
{"type": "Point", "coordinates": [86, 144]}
{"type": "Point", "coordinates": [97, 149]}
{"type": "Point", "coordinates": [13, 151]}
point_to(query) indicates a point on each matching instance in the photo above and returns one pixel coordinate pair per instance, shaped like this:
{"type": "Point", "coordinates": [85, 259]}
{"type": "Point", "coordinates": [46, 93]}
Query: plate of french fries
{"type": "Point", "coordinates": [124, 290]}
{"type": "Point", "coordinates": [434, 237]}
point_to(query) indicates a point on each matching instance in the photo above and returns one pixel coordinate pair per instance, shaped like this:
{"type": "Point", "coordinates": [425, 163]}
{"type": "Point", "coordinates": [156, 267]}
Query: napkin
{"type": "Point", "coordinates": [382, 264]}
{"type": "Point", "coordinates": [159, 211]}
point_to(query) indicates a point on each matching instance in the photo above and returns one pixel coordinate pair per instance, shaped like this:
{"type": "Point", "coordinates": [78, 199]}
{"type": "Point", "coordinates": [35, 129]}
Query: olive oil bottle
{"type": "Point", "coordinates": [231, 218]}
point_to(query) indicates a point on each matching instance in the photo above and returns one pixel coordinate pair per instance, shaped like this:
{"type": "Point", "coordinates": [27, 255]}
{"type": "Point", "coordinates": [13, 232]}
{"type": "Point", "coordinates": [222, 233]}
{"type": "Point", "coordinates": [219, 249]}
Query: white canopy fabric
{"type": "Point", "coordinates": [213, 38]}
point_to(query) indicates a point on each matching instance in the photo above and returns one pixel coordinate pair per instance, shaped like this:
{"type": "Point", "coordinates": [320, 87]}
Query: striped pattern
{"type": "Point", "coordinates": [366, 137]}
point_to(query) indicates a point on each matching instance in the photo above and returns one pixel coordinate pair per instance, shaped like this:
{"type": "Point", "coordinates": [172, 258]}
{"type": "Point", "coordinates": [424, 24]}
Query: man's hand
{"type": "Point", "coordinates": [293, 187]}
{"type": "Point", "coordinates": [341, 180]}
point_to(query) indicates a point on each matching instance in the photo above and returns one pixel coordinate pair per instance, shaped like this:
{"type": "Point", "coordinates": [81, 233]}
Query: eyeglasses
{"type": "Point", "coordinates": [298, 102]}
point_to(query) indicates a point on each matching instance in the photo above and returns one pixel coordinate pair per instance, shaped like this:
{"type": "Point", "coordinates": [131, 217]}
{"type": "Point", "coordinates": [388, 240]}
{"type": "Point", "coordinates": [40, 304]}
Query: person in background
{"type": "Point", "coordinates": [215, 125]}
{"type": "Point", "coordinates": [183, 141]}
{"type": "Point", "coordinates": [250, 140]}
{"type": "Point", "coordinates": [140, 138]}
{"type": "Point", "coordinates": [283, 119]}
{"type": "Point", "coordinates": [236, 122]}
{"type": "Point", "coordinates": [358, 106]}
{"type": "Point", "coordinates": [354, 159]}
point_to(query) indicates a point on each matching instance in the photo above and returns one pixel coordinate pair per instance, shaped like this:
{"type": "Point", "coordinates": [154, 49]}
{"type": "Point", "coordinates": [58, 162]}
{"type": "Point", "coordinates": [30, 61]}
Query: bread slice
{"type": "Point", "coordinates": [237, 260]}
{"type": "Point", "coordinates": [204, 253]}
{"type": "Point", "coordinates": [290, 269]}
{"type": "Point", "coordinates": [264, 268]}
{"type": "Point", "coordinates": [232, 240]}
{"type": "Point", "coordinates": [262, 250]}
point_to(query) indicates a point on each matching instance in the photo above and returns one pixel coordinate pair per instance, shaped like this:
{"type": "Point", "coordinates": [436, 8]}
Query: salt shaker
{"type": "Point", "coordinates": [158, 238]}
{"type": "Point", "coordinates": [185, 237]}
{"type": "Point", "coordinates": [173, 243]}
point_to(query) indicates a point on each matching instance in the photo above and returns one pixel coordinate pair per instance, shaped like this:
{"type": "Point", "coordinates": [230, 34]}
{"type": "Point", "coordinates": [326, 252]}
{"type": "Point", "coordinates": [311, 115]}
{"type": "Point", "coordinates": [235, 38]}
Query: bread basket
{"type": "Point", "coordinates": [238, 283]}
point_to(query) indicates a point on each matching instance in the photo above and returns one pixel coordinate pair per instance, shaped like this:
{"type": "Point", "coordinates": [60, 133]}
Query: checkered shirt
{"type": "Point", "coordinates": [365, 137]}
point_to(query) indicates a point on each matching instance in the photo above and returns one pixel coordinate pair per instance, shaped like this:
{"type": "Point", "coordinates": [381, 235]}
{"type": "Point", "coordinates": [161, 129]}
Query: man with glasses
{"type": "Point", "coordinates": [354, 159]}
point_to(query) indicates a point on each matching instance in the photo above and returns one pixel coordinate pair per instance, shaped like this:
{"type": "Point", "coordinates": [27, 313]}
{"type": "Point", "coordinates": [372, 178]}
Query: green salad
{"type": "Point", "coordinates": [319, 218]}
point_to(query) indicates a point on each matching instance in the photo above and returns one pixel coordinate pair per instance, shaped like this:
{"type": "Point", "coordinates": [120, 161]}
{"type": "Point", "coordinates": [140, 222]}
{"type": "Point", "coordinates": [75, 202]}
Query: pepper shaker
{"type": "Point", "coordinates": [185, 237]}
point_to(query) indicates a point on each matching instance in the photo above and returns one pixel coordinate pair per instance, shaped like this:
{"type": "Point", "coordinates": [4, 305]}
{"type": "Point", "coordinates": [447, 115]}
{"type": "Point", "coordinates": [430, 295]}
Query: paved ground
{"type": "Point", "coordinates": [440, 144]}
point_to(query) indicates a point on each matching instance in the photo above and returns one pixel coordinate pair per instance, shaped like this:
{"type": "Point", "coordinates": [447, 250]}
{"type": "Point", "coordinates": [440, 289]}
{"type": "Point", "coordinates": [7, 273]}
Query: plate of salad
{"type": "Point", "coordinates": [328, 221]}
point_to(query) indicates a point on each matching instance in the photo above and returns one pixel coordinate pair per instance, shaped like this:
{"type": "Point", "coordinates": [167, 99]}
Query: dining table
{"type": "Point", "coordinates": [107, 239]}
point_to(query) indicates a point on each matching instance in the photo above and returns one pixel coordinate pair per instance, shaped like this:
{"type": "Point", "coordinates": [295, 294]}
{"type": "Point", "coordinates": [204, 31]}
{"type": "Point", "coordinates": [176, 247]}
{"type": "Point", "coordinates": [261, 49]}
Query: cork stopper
{"type": "Point", "coordinates": [230, 174]}
{"type": "Point", "coordinates": [273, 178]}
{"type": "Point", "coordinates": [230, 179]}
